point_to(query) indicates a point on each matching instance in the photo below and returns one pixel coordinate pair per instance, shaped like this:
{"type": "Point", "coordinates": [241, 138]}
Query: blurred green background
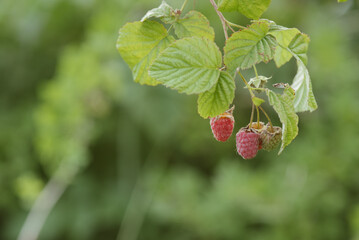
{"type": "Point", "coordinates": [136, 162]}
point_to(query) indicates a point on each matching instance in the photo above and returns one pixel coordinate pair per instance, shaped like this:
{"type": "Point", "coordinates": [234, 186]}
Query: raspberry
{"type": "Point", "coordinates": [270, 138]}
{"type": "Point", "coordinates": [222, 125]}
{"type": "Point", "coordinates": [247, 142]}
{"type": "Point", "coordinates": [258, 128]}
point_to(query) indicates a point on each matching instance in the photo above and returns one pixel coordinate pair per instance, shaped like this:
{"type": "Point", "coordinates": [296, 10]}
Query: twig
{"type": "Point", "coordinates": [221, 17]}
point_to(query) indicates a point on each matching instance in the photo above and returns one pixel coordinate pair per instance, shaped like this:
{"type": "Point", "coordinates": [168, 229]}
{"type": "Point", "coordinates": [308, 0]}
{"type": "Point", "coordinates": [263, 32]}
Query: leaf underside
{"type": "Point", "coordinates": [283, 105]}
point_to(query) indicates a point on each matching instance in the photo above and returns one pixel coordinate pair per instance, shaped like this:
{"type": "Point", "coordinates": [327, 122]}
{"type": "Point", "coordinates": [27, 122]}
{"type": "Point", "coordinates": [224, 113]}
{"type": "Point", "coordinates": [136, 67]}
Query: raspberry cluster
{"type": "Point", "coordinates": [249, 139]}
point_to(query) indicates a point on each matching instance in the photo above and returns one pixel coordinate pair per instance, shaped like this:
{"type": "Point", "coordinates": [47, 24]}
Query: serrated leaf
{"type": "Point", "coordinates": [283, 105]}
{"type": "Point", "coordinates": [137, 39]}
{"type": "Point", "coordinates": [249, 46]}
{"type": "Point", "coordinates": [164, 12]}
{"type": "Point", "coordinates": [140, 70]}
{"type": "Point", "coordinates": [194, 24]}
{"type": "Point", "coordinates": [284, 36]}
{"type": "Point", "coordinates": [252, 9]}
{"type": "Point", "coordinates": [217, 99]}
{"type": "Point", "coordinates": [189, 65]}
{"type": "Point", "coordinates": [299, 46]}
{"type": "Point", "coordinates": [304, 97]}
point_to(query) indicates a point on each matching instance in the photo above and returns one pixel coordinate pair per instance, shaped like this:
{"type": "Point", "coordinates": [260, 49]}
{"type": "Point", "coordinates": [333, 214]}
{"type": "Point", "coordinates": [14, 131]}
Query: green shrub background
{"type": "Point", "coordinates": [145, 164]}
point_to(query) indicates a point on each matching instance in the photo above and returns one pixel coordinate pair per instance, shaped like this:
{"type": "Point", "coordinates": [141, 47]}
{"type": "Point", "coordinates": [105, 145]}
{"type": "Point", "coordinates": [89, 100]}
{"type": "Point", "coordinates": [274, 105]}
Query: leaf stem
{"type": "Point", "coordinates": [252, 113]}
{"type": "Point", "coordinates": [246, 83]}
{"type": "Point", "coordinates": [233, 24]}
{"type": "Point", "coordinates": [255, 70]}
{"type": "Point", "coordinates": [184, 4]}
{"type": "Point", "coordinates": [221, 17]}
{"type": "Point", "coordinates": [270, 122]}
{"type": "Point", "coordinates": [169, 29]}
{"type": "Point", "coordinates": [259, 89]}
{"type": "Point", "coordinates": [257, 116]}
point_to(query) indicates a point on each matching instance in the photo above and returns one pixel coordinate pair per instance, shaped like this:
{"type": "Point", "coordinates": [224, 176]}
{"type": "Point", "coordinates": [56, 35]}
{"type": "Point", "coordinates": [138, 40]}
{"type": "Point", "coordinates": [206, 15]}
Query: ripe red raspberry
{"type": "Point", "coordinates": [270, 138]}
{"type": "Point", "coordinates": [247, 142]}
{"type": "Point", "coordinates": [222, 125]}
{"type": "Point", "coordinates": [258, 128]}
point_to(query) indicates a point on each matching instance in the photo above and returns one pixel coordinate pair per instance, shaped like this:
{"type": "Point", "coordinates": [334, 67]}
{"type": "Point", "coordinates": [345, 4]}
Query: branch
{"type": "Point", "coordinates": [221, 17]}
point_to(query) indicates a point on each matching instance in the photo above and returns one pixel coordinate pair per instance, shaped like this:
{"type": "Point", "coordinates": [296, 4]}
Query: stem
{"type": "Point", "coordinates": [233, 24]}
{"type": "Point", "coordinates": [257, 117]}
{"type": "Point", "coordinates": [252, 113]}
{"type": "Point", "coordinates": [246, 83]}
{"type": "Point", "coordinates": [221, 17]}
{"type": "Point", "coordinates": [270, 122]}
{"type": "Point", "coordinates": [169, 29]}
{"type": "Point", "coordinates": [184, 4]}
{"type": "Point", "coordinates": [255, 70]}
{"type": "Point", "coordinates": [229, 26]}
{"type": "Point", "coordinates": [259, 89]}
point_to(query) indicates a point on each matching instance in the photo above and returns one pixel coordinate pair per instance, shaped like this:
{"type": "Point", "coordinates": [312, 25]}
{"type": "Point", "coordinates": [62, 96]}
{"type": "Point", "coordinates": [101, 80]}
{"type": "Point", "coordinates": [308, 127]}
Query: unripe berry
{"type": "Point", "coordinates": [270, 137]}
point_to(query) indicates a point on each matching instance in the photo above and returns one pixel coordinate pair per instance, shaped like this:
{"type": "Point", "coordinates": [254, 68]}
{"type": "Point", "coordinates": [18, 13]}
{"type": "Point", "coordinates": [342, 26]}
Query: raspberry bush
{"type": "Point", "coordinates": [177, 49]}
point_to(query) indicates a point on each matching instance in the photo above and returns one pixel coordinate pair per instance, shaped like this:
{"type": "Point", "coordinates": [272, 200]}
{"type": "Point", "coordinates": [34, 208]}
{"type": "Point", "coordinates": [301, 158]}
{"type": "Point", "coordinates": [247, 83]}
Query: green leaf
{"type": "Point", "coordinates": [249, 46]}
{"type": "Point", "coordinates": [140, 70]}
{"type": "Point", "coordinates": [217, 99]}
{"type": "Point", "coordinates": [194, 24]}
{"type": "Point", "coordinates": [304, 97]}
{"type": "Point", "coordinates": [283, 105]}
{"type": "Point", "coordinates": [299, 46]}
{"type": "Point", "coordinates": [252, 9]}
{"type": "Point", "coordinates": [341, 1]}
{"type": "Point", "coordinates": [165, 12]}
{"type": "Point", "coordinates": [189, 65]}
{"type": "Point", "coordinates": [257, 101]}
{"type": "Point", "coordinates": [284, 36]}
{"type": "Point", "coordinates": [136, 40]}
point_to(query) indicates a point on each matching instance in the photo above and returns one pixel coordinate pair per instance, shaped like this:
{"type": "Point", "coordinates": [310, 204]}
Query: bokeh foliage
{"type": "Point", "coordinates": [142, 157]}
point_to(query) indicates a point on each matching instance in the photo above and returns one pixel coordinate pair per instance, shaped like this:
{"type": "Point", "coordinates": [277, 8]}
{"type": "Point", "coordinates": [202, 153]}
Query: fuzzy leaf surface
{"type": "Point", "coordinates": [140, 70]}
{"type": "Point", "coordinates": [164, 12]}
{"type": "Point", "coordinates": [299, 46]}
{"type": "Point", "coordinates": [217, 99]}
{"type": "Point", "coordinates": [194, 24]}
{"type": "Point", "coordinates": [283, 105]}
{"type": "Point", "coordinates": [252, 9]}
{"type": "Point", "coordinates": [189, 65]}
{"type": "Point", "coordinates": [249, 46]}
{"type": "Point", "coordinates": [284, 37]}
{"type": "Point", "coordinates": [137, 39]}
